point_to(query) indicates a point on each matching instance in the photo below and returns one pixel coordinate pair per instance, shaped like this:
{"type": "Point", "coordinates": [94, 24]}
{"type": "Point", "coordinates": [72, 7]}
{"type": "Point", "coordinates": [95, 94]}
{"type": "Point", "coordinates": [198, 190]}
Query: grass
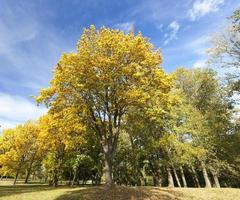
{"type": "Point", "coordinates": [43, 192]}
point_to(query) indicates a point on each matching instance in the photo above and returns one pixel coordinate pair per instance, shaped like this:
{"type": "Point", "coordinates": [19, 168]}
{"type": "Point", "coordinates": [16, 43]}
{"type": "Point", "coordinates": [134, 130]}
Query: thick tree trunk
{"type": "Point", "coordinates": [156, 173]}
{"type": "Point", "coordinates": [215, 178]}
{"type": "Point", "coordinates": [58, 164]}
{"type": "Point", "coordinates": [176, 176]}
{"type": "Point", "coordinates": [54, 179]}
{"type": "Point", "coordinates": [170, 178]}
{"type": "Point", "coordinates": [157, 181]}
{"type": "Point", "coordinates": [183, 177]}
{"type": "Point", "coordinates": [195, 177]}
{"type": "Point", "coordinates": [108, 169]}
{"type": "Point", "coordinates": [205, 175]}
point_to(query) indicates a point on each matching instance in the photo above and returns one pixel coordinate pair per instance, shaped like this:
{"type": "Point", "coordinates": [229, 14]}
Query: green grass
{"type": "Point", "coordinates": [43, 192]}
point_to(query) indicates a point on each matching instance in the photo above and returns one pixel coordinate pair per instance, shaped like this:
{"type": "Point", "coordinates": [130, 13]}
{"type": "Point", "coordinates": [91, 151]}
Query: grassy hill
{"type": "Point", "coordinates": [43, 192]}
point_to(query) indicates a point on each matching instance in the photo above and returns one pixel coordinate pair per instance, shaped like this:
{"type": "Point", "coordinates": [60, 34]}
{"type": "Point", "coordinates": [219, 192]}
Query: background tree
{"type": "Point", "coordinates": [19, 148]}
{"type": "Point", "coordinates": [226, 51]}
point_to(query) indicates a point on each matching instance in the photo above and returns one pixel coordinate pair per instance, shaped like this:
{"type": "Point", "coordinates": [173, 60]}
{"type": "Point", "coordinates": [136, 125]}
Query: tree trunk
{"type": "Point", "coordinates": [170, 178]}
{"type": "Point", "coordinates": [156, 174]}
{"type": "Point", "coordinates": [205, 175]}
{"type": "Point", "coordinates": [108, 169]}
{"type": "Point", "coordinates": [183, 177]}
{"type": "Point", "coordinates": [176, 176]}
{"type": "Point", "coordinates": [70, 177]}
{"type": "Point", "coordinates": [29, 170]}
{"type": "Point", "coordinates": [195, 177]}
{"type": "Point", "coordinates": [58, 165]}
{"type": "Point", "coordinates": [215, 178]}
{"type": "Point", "coordinates": [18, 169]}
{"type": "Point", "coordinates": [16, 176]}
{"type": "Point", "coordinates": [55, 180]}
{"type": "Point", "coordinates": [74, 176]}
{"type": "Point", "coordinates": [157, 181]}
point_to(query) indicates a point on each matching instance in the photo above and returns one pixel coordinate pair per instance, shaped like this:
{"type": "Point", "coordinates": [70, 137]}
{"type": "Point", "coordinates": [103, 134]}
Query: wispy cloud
{"type": "Point", "coordinates": [174, 27]}
{"type": "Point", "coordinates": [157, 12]}
{"type": "Point", "coordinates": [201, 8]}
{"type": "Point", "coordinates": [29, 47]}
{"type": "Point", "coordinates": [16, 109]}
{"type": "Point", "coordinates": [198, 45]}
{"type": "Point", "coordinates": [126, 26]}
{"type": "Point", "coordinates": [160, 27]}
{"type": "Point", "coordinates": [14, 30]}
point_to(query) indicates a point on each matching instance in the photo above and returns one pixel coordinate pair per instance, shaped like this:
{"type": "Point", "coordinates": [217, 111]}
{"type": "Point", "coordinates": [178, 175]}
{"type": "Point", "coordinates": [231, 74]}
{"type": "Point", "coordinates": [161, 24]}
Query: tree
{"type": "Point", "coordinates": [19, 149]}
{"type": "Point", "coordinates": [60, 132]}
{"type": "Point", "coordinates": [205, 94]}
{"type": "Point", "coordinates": [110, 73]}
{"type": "Point", "coordinates": [226, 51]}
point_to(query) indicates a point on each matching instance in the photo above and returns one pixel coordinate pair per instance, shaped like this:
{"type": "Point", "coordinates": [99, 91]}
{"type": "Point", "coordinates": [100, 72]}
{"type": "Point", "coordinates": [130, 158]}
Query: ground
{"type": "Point", "coordinates": [43, 192]}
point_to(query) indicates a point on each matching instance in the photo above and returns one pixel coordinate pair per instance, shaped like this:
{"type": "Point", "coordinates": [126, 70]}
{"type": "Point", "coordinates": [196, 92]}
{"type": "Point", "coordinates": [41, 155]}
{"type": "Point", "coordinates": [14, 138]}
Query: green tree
{"type": "Point", "coordinates": [225, 51]}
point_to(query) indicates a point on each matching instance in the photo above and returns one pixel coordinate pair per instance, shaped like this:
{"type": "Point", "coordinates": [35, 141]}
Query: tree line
{"type": "Point", "coordinates": [115, 116]}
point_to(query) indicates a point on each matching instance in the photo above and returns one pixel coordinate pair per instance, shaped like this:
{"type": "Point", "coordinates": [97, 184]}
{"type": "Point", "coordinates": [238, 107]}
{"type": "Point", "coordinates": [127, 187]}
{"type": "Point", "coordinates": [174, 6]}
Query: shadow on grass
{"type": "Point", "coordinates": [121, 193]}
{"type": "Point", "coordinates": [7, 190]}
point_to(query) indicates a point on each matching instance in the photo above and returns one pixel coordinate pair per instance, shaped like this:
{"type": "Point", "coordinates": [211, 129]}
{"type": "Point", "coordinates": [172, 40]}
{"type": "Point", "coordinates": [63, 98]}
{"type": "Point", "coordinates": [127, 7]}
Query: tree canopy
{"type": "Point", "coordinates": [116, 117]}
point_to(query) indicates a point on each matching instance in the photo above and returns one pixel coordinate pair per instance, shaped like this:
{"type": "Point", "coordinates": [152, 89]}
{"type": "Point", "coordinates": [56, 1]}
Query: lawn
{"type": "Point", "coordinates": [43, 192]}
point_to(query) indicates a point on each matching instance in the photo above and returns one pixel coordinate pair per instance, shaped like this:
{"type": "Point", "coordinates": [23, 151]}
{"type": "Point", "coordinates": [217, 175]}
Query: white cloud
{"type": "Point", "coordinates": [126, 26]}
{"type": "Point", "coordinates": [15, 27]}
{"type": "Point", "coordinates": [16, 109]}
{"type": "Point", "coordinates": [160, 27]}
{"type": "Point", "coordinates": [198, 45]}
{"type": "Point", "coordinates": [174, 27]}
{"type": "Point", "coordinates": [201, 8]}
{"type": "Point", "coordinates": [29, 48]}
{"type": "Point", "coordinates": [199, 64]}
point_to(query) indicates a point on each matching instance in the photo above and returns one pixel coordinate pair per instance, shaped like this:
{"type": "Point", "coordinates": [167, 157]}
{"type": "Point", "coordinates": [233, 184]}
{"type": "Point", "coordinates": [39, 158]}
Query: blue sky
{"type": "Point", "coordinates": [33, 35]}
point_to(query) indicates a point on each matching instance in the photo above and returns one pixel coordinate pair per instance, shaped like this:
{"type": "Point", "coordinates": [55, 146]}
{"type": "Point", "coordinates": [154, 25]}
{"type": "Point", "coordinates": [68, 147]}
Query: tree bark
{"type": "Point", "coordinates": [55, 179]}
{"type": "Point", "coordinates": [16, 176]}
{"type": "Point", "coordinates": [195, 177]}
{"type": "Point", "coordinates": [156, 173]}
{"type": "Point", "coordinates": [215, 178]}
{"type": "Point", "coordinates": [18, 169]}
{"type": "Point", "coordinates": [183, 177]}
{"type": "Point", "coordinates": [29, 170]}
{"type": "Point", "coordinates": [74, 177]}
{"type": "Point", "coordinates": [205, 175]}
{"type": "Point", "coordinates": [170, 178]}
{"type": "Point", "coordinates": [157, 181]}
{"type": "Point", "coordinates": [176, 176]}
{"type": "Point", "coordinates": [108, 169]}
